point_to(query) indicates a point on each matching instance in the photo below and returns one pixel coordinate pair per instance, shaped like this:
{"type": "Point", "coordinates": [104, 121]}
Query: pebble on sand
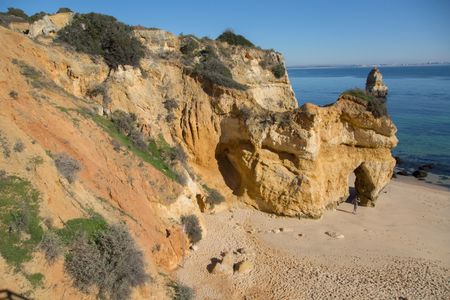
{"type": "Point", "coordinates": [334, 234]}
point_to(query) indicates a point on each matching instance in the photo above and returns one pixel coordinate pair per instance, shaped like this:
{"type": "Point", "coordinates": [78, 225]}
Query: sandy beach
{"type": "Point", "coordinates": [399, 249]}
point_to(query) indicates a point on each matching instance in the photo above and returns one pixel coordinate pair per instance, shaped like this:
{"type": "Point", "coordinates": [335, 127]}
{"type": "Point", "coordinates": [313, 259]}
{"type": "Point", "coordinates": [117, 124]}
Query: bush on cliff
{"type": "Point", "coordinates": [216, 72]}
{"type": "Point", "coordinates": [64, 10]}
{"type": "Point", "coordinates": [358, 93]}
{"type": "Point", "coordinates": [278, 71]}
{"type": "Point", "coordinates": [67, 166]}
{"type": "Point", "coordinates": [126, 123]}
{"type": "Point", "coordinates": [103, 35]}
{"type": "Point", "coordinates": [109, 259]}
{"type": "Point", "coordinates": [192, 228]}
{"type": "Point", "coordinates": [214, 197]}
{"type": "Point", "coordinates": [377, 106]}
{"type": "Point", "coordinates": [17, 12]}
{"type": "Point", "coordinates": [231, 38]}
{"type": "Point", "coordinates": [189, 44]}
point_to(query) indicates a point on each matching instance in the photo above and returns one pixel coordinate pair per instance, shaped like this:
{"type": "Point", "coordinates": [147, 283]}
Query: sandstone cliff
{"type": "Point", "coordinates": [252, 143]}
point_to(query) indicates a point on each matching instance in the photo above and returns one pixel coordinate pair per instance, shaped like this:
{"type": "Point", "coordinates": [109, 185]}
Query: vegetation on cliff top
{"type": "Point", "coordinates": [103, 35]}
{"type": "Point", "coordinates": [232, 38]}
{"type": "Point", "coordinates": [17, 12]}
{"type": "Point", "coordinates": [377, 106]}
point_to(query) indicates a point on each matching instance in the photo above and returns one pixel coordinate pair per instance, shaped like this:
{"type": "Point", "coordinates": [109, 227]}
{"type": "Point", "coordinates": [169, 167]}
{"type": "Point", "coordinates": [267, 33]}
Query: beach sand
{"type": "Point", "coordinates": [399, 249]}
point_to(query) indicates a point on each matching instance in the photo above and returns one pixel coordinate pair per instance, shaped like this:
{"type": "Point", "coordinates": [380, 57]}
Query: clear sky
{"type": "Point", "coordinates": [315, 32]}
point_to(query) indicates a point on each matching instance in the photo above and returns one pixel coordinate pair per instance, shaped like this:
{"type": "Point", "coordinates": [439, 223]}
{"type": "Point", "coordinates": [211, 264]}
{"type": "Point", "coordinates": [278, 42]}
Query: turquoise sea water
{"type": "Point", "coordinates": [418, 102]}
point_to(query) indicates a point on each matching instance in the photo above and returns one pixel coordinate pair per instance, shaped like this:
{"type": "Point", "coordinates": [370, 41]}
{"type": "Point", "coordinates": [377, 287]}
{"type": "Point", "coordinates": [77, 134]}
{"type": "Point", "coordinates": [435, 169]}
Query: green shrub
{"type": "Point", "coordinates": [214, 197]}
{"type": "Point", "coordinates": [213, 70]}
{"type": "Point", "coordinates": [64, 10]}
{"type": "Point", "coordinates": [36, 16]}
{"type": "Point", "coordinates": [19, 146]}
{"type": "Point", "coordinates": [192, 228]}
{"type": "Point", "coordinates": [4, 145]}
{"type": "Point", "coordinates": [88, 227]}
{"type": "Point", "coordinates": [67, 166]}
{"type": "Point", "coordinates": [51, 245]}
{"type": "Point", "coordinates": [188, 45]}
{"type": "Point", "coordinates": [181, 291]}
{"type": "Point", "coordinates": [103, 35]}
{"type": "Point", "coordinates": [35, 279]}
{"type": "Point", "coordinates": [145, 154]}
{"type": "Point", "coordinates": [377, 106]}
{"type": "Point", "coordinates": [109, 260]}
{"type": "Point", "coordinates": [171, 105]}
{"type": "Point", "coordinates": [17, 12]}
{"type": "Point", "coordinates": [231, 38]}
{"type": "Point", "coordinates": [19, 214]}
{"type": "Point", "coordinates": [126, 123]}
{"type": "Point", "coordinates": [358, 93]}
{"type": "Point", "coordinates": [278, 70]}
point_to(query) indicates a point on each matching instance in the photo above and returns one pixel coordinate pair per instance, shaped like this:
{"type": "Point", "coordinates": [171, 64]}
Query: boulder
{"type": "Point", "coordinates": [225, 266]}
{"type": "Point", "coordinates": [420, 174]}
{"type": "Point", "coordinates": [43, 26]}
{"type": "Point", "coordinates": [243, 267]}
{"type": "Point", "coordinates": [426, 167]}
{"type": "Point", "coordinates": [403, 173]}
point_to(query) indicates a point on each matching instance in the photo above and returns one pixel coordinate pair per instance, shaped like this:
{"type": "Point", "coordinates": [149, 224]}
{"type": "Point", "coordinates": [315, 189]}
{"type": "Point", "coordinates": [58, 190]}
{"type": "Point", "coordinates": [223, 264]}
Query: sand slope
{"type": "Point", "coordinates": [401, 248]}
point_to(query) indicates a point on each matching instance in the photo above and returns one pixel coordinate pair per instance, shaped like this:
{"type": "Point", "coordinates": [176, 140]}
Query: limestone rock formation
{"type": "Point", "coordinates": [43, 26]}
{"type": "Point", "coordinates": [298, 163]}
{"type": "Point", "coordinates": [375, 85]}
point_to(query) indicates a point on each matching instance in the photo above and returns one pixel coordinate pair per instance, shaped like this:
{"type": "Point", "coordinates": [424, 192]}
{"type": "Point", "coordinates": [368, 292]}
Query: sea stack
{"type": "Point", "coordinates": [375, 85]}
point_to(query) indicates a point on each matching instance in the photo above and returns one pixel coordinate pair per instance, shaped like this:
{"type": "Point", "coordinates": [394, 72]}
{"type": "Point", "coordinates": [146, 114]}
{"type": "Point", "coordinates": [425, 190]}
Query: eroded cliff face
{"type": "Point", "coordinates": [298, 163]}
{"type": "Point", "coordinates": [254, 145]}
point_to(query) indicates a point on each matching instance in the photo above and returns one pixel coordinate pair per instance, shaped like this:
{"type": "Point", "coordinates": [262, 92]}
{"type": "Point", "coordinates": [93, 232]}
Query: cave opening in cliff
{"type": "Point", "coordinates": [360, 185]}
{"type": "Point", "coordinates": [229, 173]}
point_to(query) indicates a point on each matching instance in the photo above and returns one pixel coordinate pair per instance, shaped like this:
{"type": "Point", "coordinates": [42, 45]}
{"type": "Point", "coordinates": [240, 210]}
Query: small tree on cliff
{"type": "Point", "coordinates": [232, 38]}
{"type": "Point", "coordinates": [103, 35]}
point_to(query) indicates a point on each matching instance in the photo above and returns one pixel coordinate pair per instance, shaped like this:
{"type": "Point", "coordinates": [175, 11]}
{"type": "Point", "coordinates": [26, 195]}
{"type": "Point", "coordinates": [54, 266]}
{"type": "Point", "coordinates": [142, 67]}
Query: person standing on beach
{"type": "Point", "coordinates": [355, 204]}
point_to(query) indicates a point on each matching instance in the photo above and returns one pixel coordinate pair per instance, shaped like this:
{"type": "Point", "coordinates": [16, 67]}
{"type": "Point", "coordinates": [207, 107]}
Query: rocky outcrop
{"type": "Point", "coordinates": [375, 85]}
{"type": "Point", "coordinates": [298, 163]}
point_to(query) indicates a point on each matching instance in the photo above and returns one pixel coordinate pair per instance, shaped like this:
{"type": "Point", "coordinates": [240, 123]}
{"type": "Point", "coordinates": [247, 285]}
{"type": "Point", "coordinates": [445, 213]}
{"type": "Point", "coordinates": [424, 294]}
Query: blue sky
{"type": "Point", "coordinates": [319, 32]}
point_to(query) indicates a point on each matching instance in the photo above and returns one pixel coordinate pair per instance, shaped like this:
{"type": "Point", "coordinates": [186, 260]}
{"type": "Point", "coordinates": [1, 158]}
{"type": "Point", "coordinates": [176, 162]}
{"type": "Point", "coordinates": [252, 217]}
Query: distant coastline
{"type": "Point", "coordinates": [367, 65]}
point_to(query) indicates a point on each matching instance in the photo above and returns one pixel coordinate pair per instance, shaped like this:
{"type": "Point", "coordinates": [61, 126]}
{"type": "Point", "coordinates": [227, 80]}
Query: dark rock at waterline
{"type": "Point", "coordinates": [426, 167]}
{"type": "Point", "coordinates": [403, 173]}
{"type": "Point", "coordinates": [420, 174]}
{"type": "Point", "coordinates": [398, 160]}
{"type": "Point", "coordinates": [394, 175]}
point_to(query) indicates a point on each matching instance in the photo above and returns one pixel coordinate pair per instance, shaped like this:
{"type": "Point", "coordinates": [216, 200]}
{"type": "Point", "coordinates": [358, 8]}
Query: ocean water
{"type": "Point", "coordinates": [418, 102]}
